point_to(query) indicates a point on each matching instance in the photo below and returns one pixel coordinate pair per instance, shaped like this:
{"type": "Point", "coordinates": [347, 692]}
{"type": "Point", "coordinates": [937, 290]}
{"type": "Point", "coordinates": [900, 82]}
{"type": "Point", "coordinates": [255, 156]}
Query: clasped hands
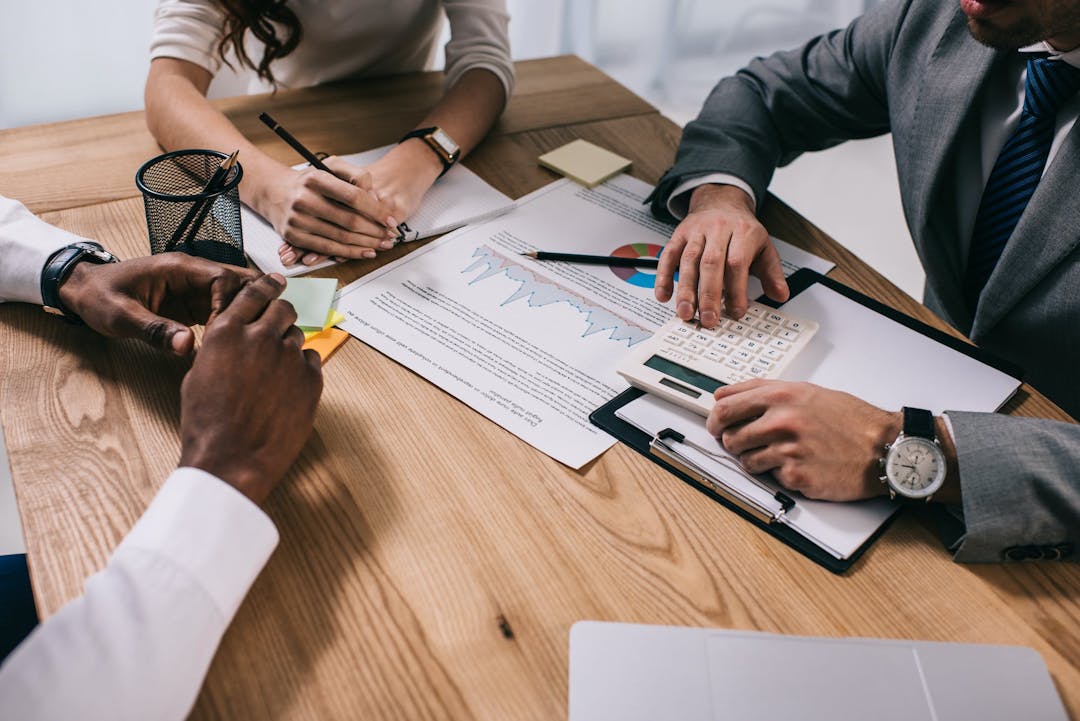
{"type": "Point", "coordinates": [820, 442]}
{"type": "Point", "coordinates": [353, 213]}
{"type": "Point", "coordinates": [230, 425]}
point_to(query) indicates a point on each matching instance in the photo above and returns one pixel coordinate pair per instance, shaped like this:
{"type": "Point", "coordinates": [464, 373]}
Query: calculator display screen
{"type": "Point", "coordinates": [698, 380]}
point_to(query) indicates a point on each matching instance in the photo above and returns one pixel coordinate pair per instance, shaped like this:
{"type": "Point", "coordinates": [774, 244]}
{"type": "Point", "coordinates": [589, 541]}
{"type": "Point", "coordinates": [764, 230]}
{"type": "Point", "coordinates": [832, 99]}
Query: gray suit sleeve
{"type": "Point", "coordinates": [830, 90]}
{"type": "Point", "coordinates": [1020, 486]}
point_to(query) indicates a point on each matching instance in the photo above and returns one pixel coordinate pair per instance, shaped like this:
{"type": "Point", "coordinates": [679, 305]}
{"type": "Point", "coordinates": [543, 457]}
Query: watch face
{"type": "Point", "coordinates": [444, 140]}
{"type": "Point", "coordinates": [915, 467]}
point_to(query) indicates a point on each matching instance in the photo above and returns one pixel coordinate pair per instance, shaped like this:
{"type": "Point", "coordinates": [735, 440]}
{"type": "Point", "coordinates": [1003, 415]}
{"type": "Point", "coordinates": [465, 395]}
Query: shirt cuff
{"type": "Point", "coordinates": [209, 529]}
{"type": "Point", "coordinates": [26, 244]}
{"type": "Point", "coordinates": [679, 202]}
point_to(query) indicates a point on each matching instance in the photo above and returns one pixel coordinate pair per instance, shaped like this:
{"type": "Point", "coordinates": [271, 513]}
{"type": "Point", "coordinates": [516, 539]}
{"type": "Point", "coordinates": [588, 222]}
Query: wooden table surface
{"type": "Point", "coordinates": [431, 564]}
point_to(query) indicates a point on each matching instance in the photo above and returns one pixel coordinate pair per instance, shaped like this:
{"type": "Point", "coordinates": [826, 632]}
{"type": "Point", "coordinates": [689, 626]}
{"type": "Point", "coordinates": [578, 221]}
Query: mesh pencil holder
{"type": "Point", "coordinates": [172, 187]}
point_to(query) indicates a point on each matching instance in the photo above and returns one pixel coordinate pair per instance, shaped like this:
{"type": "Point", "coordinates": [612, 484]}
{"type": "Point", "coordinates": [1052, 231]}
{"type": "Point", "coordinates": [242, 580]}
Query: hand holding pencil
{"type": "Point", "coordinates": [327, 209]}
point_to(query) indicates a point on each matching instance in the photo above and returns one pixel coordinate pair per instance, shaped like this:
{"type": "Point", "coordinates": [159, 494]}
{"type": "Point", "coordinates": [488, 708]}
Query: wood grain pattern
{"type": "Point", "coordinates": [94, 160]}
{"type": "Point", "coordinates": [431, 564]}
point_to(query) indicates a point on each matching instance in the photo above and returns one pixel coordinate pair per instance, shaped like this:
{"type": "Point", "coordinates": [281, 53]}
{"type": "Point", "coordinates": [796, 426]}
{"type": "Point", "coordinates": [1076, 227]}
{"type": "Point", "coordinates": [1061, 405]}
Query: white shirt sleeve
{"type": "Point", "coordinates": [188, 30]}
{"type": "Point", "coordinates": [26, 242]}
{"type": "Point", "coordinates": [479, 38]}
{"type": "Point", "coordinates": [679, 202]}
{"type": "Point", "coordinates": [138, 642]}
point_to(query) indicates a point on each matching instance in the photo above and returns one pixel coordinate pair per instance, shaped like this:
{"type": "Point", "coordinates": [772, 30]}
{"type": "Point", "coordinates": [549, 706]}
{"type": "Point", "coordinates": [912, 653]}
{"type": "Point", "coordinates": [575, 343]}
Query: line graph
{"type": "Point", "coordinates": [539, 293]}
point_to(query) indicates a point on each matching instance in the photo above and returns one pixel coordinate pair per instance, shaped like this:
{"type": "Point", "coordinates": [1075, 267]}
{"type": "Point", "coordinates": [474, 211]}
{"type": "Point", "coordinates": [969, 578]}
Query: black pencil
{"type": "Point", "coordinates": [310, 156]}
{"type": "Point", "coordinates": [609, 260]}
{"type": "Point", "coordinates": [189, 226]}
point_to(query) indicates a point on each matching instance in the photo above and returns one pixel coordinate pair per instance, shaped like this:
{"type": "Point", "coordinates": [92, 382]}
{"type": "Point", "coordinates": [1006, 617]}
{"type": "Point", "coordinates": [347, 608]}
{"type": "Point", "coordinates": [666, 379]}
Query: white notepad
{"type": "Point", "coordinates": [456, 199]}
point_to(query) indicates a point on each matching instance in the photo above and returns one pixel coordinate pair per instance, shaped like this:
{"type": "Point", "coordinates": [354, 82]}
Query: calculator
{"type": "Point", "coordinates": [684, 363]}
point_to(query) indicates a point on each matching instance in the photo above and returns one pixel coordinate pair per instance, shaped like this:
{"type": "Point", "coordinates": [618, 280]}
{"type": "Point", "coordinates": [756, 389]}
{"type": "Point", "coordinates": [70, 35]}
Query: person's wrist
{"type": "Point", "coordinates": [950, 490]}
{"type": "Point", "coordinates": [420, 159]}
{"type": "Point", "coordinates": [712, 196]}
{"type": "Point", "coordinates": [240, 475]}
{"type": "Point", "coordinates": [72, 290]}
{"type": "Point", "coordinates": [882, 433]}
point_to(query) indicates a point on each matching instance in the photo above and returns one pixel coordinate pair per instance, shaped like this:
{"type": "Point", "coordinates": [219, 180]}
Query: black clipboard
{"type": "Point", "coordinates": [605, 419]}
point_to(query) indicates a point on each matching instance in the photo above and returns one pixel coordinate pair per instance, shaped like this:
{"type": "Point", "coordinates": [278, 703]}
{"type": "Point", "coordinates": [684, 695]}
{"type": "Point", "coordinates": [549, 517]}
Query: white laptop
{"type": "Point", "coordinates": [628, 672]}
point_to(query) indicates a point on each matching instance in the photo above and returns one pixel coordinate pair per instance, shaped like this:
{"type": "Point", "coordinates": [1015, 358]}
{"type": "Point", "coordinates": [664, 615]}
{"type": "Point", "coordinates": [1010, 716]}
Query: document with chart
{"type": "Point", "coordinates": [532, 345]}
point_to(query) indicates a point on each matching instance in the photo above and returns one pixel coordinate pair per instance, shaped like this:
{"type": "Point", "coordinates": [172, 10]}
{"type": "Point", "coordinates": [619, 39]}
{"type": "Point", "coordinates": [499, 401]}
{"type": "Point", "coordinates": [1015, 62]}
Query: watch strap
{"type": "Point", "coordinates": [59, 266]}
{"type": "Point", "coordinates": [918, 422]}
{"type": "Point", "coordinates": [425, 134]}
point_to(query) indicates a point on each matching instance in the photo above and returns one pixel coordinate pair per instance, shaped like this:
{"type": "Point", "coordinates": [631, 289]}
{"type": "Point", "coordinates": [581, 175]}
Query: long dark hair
{"type": "Point", "coordinates": [260, 17]}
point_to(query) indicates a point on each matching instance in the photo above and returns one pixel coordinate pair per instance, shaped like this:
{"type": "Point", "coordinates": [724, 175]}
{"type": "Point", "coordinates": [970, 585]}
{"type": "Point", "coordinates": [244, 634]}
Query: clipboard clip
{"type": "Point", "coordinates": [664, 446]}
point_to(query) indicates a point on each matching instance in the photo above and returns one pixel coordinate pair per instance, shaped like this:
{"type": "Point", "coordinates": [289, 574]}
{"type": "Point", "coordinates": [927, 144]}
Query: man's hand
{"type": "Point", "coordinates": [823, 443]}
{"type": "Point", "coordinates": [319, 214]}
{"type": "Point", "coordinates": [715, 249]}
{"type": "Point", "coordinates": [154, 298]}
{"type": "Point", "coordinates": [248, 403]}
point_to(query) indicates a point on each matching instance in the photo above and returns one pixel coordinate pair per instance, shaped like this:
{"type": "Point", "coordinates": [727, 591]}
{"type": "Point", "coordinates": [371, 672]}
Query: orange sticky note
{"type": "Point", "coordinates": [326, 342]}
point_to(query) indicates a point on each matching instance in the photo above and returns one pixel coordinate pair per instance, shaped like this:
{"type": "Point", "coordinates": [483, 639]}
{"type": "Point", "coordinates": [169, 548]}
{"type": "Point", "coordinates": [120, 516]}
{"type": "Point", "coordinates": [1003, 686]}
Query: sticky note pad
{"type": "Point", "coordinates": [584, 163]}
{"type": "Point", "coordinates": [326, 342]}
{"type": "Point", "coordinates": [312, 298]}
{"type": "Point", "coordinates": [332, 319]}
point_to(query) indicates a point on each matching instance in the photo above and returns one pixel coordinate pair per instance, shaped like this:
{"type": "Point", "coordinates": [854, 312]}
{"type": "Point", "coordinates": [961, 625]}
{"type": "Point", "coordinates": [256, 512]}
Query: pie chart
{"type": "Point", "coordinates": [641, 277]}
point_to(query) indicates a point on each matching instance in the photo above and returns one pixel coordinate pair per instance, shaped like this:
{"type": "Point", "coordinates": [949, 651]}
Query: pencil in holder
{"type": "Point", "coordinates": [183, 215]}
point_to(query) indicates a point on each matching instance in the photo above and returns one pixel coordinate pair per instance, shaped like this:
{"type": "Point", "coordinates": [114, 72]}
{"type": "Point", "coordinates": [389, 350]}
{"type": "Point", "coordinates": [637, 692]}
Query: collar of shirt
{"type": "Point", "coordinates": [1072, 57]}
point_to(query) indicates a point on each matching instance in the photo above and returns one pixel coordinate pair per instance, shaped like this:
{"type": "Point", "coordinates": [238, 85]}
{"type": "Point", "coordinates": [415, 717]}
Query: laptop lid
{"type": "Point", "coordinates": [630, 672]}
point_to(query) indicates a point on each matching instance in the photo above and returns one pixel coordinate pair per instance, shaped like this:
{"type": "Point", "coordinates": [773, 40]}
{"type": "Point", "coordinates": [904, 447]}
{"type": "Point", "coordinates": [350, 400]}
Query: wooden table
{"type": "Point", "coordinates": [431, 564]}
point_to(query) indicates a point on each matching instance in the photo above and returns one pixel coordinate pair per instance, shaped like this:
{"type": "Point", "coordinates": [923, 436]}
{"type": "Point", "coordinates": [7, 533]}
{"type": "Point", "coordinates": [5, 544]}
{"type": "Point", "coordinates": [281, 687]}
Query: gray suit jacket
{"type": "Point", "coordinates": [910, 67]}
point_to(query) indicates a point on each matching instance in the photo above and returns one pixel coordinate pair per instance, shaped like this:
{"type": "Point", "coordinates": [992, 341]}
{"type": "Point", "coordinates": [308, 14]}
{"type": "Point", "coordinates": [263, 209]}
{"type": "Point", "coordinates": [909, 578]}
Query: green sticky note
{"type": "Point", "coordinates": [312, 298]}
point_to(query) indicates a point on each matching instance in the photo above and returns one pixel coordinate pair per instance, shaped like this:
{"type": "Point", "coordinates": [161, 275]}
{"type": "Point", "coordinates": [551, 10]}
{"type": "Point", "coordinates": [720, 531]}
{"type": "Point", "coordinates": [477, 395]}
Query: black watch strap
{"type": "Point", "coordinates": [59, 266]}
{"type": "Point", "coordinates": [919, 422]}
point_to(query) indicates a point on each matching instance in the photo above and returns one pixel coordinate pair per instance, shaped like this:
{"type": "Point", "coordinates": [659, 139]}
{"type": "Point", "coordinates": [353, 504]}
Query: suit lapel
{"type": "Point", "coordinates": [946, 113]}
{"type": "Point", "coordinates": [1047, 232]}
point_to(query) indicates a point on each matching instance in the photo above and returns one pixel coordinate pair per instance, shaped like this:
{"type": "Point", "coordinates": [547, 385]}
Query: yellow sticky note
{"type": "Point", "coordinates": [326, 342]}
{"type": "Point", "coordinates": [584, 163]}
{"type": "Point", "coordinates": [332, 319]}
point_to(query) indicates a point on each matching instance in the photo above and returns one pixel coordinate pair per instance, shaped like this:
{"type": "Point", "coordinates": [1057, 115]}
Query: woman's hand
{"type": "Point", "coordinates": [327, 214]}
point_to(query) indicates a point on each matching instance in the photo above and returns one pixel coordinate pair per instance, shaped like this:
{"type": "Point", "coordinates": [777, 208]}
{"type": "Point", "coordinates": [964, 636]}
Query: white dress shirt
{"type": "Point", "coordinates": [138, 642]}
{"type": "Point", "coordinates": [1000, 110]}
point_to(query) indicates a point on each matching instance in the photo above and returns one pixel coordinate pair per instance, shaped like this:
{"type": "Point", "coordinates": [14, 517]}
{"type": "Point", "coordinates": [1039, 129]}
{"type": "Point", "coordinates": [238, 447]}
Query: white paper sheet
{"type": "Point", "coordinates": [531, 345]}
{"type": "Point", "coordinates": [458, 198]}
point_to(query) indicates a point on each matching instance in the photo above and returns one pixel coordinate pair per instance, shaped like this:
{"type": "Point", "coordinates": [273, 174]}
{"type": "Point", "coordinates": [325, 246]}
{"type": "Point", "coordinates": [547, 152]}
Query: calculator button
{"type": "Point", "coordinates": [739, 328]}
{"type": "Point", "coordinates": [765, 326]}
{"type": "Point", "coordinates": [684, 331]}
{"type": "Point", "coordinates": [701, 338]}
{"type": "Point", "coordinates": [756, 310]}
{"type": "Point", "coordinates": [763, 363]}
{"type": "Point", "coordinates": [714, 355]}
{"type": "Point", "coordinates": [722, 346]}
{"type": "Point", "coordinates": [732, 338]}
{"type": "Point", "coordinates": [779, 344]}
{"type": "Point", "coordinates": [734, 364]}
{"type": "Point", "coordinates": [772, 354]}
{"type": "Point", "coordinates": [748, 319]}
{"type": "Point", "coordinates": [673, 339]}
{"type": "Point", "coordinates": [751, 345]}
{"type": "Point", "coordinates": [743, 355]}
{"type": "Point", "coordinates": [794, 324]}
{"type": "Point", "coordinates": [757, 371]}
{"type": "Point", "coordinates": [672, 354]}
{"type": "Point", "coordinates": [695, 348]}
{"type": "Point", "coordinates": [773, 317]}
{"type": "Point", "coordinates": [759, 336]}
{"type": "Point", "coordinates": [788, 335]}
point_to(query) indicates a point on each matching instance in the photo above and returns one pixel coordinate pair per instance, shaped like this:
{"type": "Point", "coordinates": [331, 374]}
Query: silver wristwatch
{"type": "Point", "coordinates": [914, 464]}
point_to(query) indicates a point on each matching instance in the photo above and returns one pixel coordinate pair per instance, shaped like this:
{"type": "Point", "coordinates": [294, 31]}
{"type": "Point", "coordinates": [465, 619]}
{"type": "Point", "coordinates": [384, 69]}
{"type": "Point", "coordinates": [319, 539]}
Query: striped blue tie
{"type": "Point", "coordinates": [1018, 168]}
